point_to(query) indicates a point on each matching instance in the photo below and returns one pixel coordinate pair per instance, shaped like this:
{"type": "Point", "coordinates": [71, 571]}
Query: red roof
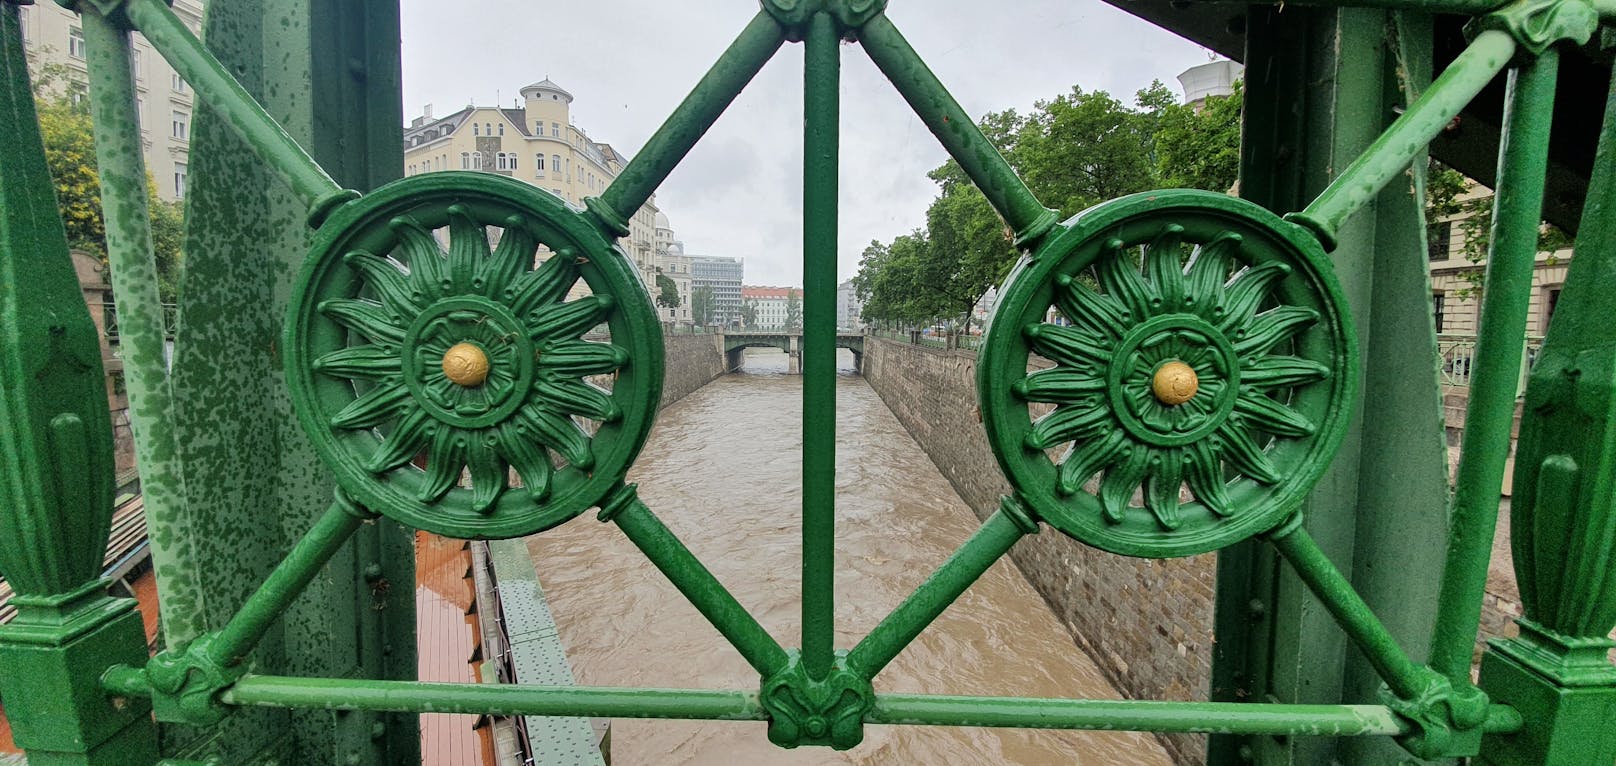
{"type": "Point", "coordinates": [763, 292]}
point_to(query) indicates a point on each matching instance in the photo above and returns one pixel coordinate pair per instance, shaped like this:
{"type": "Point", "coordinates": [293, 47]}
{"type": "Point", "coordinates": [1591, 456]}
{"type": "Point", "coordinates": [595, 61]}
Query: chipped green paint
{"type": "Point", "coordinates": [55, 472]}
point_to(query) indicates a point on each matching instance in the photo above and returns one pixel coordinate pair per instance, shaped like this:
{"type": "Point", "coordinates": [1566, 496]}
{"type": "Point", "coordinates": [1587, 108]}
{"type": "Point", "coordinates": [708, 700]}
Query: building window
{"type": "Point", "coordinates": [179, 83]}
{"type": "Point", "coordinates": [1551, 299]}
{"type": "Point", "coordinates": [75, 43]}
{"type": "Point", "coordinates": [465, 160]}
{"type": "Point", "coordinates": [555, 162]}
{"type": "Point", "coordinates": [134, 63]}
{"type": "Point", "coordinates": [476, 160]}
{"type": "Point", "coordinates": [555, 128]}
{"type": "Point", "coordinates": [538, 165]}
{"type": "Point", "coordinates": [182, 125]}
{"type": "Point", "coordinates": [476, 129]}
{"type": "Point", "coordinates": [1437, 301]}
{"type": "Point", "coordinates": [181, 175]}
{"type": "Point", "coordinates": [488, 129]}
{"type": "Point", "coordinates": [502, 128]}
{"type": "Point", "coordinates": [1439, 240]}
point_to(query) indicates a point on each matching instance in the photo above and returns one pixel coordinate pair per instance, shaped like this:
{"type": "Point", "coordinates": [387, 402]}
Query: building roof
{"type": "Point", "coordinates": [547, 84]}
{"type": "Point", "coordinates": [765, 292]}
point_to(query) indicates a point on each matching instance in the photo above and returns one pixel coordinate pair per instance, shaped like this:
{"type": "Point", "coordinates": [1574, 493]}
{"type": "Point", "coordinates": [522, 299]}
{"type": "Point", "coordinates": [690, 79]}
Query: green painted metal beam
{"type": "Point", "coordinates": [820, 175]}
{"type": "Point", "coordinates": [232, 103]}
{"type": "Point", "coordinates": [1490, 411]}
{"type": "Point", "coordinates": [141, 331]}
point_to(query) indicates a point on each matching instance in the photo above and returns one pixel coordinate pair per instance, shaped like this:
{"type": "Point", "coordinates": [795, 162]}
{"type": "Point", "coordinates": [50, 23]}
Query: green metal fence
{"type": "Point", "coordinates": [1213, 350]}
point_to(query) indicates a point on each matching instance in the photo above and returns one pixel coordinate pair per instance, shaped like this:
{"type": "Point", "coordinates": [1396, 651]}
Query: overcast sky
{"type": "Point", "coordinates": [739, 192]}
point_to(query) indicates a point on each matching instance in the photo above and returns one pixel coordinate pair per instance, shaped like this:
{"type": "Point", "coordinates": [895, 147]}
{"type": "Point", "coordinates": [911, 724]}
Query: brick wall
{"type": "Point", "coordinates": [1148, 624]}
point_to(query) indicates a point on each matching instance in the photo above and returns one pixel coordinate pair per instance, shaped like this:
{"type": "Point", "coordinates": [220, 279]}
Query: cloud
{"type": "Point", "coordinates": [739, 192]}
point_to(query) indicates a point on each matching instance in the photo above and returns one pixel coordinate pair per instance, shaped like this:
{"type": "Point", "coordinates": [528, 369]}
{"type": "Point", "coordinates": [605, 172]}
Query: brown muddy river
{"type": "Point", "coordinates": [722, 469]}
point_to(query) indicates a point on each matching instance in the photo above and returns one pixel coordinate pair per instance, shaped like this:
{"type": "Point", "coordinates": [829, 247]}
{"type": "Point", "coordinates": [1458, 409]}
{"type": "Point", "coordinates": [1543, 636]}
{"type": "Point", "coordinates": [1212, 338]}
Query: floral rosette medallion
{"type": "Point", "coordinates": [1169, 374]}
{"type": "Point", "coordinates": [457, 378]}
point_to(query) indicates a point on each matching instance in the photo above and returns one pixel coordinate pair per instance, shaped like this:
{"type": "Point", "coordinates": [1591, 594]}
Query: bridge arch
{"type": "Point", "coordinates": [735, 343]}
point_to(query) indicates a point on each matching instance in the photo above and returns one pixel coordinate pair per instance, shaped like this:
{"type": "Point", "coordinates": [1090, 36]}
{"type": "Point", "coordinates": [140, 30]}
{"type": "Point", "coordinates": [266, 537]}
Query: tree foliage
{"type": "Point", "coordinates": [1472, 218]}
{"type": "Point", "coordinates": [1074, 151]}
{"type": "Point", "coordinates": [702, 307]}
{"type": "Point", "coordinates": [66, 131]}
{"type": "Point", "coordinates": [667, 292]}
{"type": "Point", "coordinates": [749, 314]}
{"type": "Point", "coordinates": [793, 310]}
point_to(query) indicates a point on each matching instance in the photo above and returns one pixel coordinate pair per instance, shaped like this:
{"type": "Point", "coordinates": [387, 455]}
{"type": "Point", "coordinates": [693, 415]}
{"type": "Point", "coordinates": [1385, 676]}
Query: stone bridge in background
{"type": "Point", "coordinates": [790, 342]}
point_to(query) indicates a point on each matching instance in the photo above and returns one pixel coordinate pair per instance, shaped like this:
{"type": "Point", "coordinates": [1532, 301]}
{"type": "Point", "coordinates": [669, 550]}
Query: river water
{"type": "Point", "coordinates": [722, 470]}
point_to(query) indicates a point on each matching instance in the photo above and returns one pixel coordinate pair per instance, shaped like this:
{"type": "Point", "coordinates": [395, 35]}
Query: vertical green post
{"type": "Point", "coordinates": [55, 472]}
{"type": "Point", "coordinates": [142, 335]}
{"type": "Point", "coordinates": [1563, 515]}
{"type": "Point", "coordinates": [1322, 85]}
{"type": "Point", "coordinates": [820, 158]}
{"type": "Point", "coordinates": [1523, 158]}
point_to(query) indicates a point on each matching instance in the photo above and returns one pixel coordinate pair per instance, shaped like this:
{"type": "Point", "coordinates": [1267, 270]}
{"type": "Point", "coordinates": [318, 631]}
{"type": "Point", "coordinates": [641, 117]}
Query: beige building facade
{"type": "Point", "coordinates": [53, 37]}
{"type": "Point", "coordinates": [535, 142]}
{"type": "Point", "coordinates": [1455, 300]}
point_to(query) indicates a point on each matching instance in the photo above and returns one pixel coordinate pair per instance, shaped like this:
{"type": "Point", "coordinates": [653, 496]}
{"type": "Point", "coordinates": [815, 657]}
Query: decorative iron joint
{"type": "Point", "coordinates": [1447, 721]}
{"type": "Point", "coordinates": [1538, 24]}
{"type": "Point", "coordinates": [850, 15]}
{"type": "Point", "coordinates": [805, 711]}
{"type": "Point", "coordinates": [186, 682]}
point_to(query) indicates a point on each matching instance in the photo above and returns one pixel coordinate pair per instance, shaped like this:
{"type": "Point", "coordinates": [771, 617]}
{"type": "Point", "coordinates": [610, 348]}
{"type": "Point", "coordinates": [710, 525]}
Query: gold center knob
{"type": "Point", "coordinates": [465, 364]}
{"type": "Point", "coordinates": [1174, 383]}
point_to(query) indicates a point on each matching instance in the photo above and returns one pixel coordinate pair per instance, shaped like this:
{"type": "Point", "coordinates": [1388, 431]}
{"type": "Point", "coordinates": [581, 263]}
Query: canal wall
{"type": "Point", "coordinates": [689, 362]}
{"type": "Point", "coordinates": [1146, 623]}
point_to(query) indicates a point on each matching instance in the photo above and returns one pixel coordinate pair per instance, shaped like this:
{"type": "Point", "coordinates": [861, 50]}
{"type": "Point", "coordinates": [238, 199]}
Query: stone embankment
{"type": "Point", "coordinates": [1147, 623]}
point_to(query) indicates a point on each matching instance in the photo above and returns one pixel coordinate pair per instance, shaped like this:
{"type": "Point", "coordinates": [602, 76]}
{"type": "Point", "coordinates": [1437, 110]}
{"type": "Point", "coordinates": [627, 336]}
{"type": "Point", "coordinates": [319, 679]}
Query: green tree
{"type": "Point", "coordinates": [667, 291]}
{"type": "Point", "coordinates": [1085, 147]}
{"type": "Point", "coordinates": [1200, 148]}
{"type": "Point", "coordinates": [793, 310]}
{"type": "Point", "coordinates": [749, 314]}
{"type": "Point", "coordinates": [69, 142]}
{"type": "Point", "coordinates": [1074, 151]}
{"type": "Point", "coordinates": [701, 305]}
{"type": "Point", "coordinates": [1472, 218]}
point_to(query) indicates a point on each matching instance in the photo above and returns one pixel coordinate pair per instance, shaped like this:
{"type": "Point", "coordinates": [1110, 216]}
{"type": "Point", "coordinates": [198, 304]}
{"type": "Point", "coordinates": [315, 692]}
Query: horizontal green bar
{"type": "Point", "coordinates": [732, 705]}
{"type": "Point", "coordinates": [1137, 715]}
{"type": "Point", "coordinates": [493, 699]}
{"type": "Point", "coordinates": [222, 93]}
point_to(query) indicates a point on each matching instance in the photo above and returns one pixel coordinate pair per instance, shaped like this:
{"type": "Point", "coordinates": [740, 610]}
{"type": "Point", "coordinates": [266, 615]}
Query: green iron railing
{"type": "Point", "coordinates": [1212, 347]}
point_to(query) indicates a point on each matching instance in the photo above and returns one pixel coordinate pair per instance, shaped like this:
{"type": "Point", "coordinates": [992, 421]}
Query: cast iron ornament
{"type": "Point", "coordinates": [1196, 341]}
{"type": "Point", "coordinates": [445, 377]}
